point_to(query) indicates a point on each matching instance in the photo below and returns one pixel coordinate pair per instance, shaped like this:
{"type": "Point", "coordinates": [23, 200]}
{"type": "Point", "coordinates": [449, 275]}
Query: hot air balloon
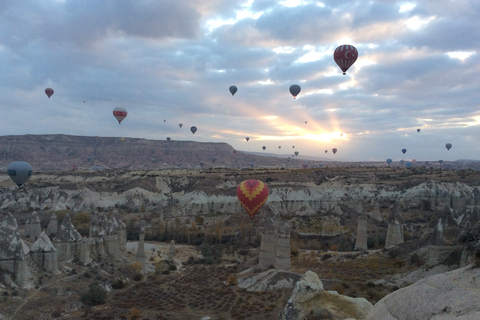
{"type": "Point", "coordinates": [404, 150]}
{"type": "Point", "coordinates": [234, 152]}
{"type": "Point", "coordinates": [233, 89]}
{"type": "Point", "coordinates": [414, 161]}
{"type": "Point", "coordinates": [389, 161]}
{"type": "Point", "coordinates": [252, 195]}
{"type": "Point", "coordinates": [252, 164]}
{"type": "Point", "coordinates": [418, 130]}
{"type": "Point", "coordinates": [440, 161]}
{"type": "Point", "coordinates": [279, 147]}
{"type": "Point", "coordinates": [202, 164]}
{"type": "Point", "coordinates": [180, 125]}
{"type": "Point", "coordinates": [193, 129]}
{"type": "Point", "coordinates": [448, 146]}
{"type": "Point", "coordinates": [326, 151]}
{"type": "Point", "coordinates": [264, 147]}
{"type": "Point", "coordinates": [214, 159]}
{"type": "Point", "coordinates": [164, 120]}
{"type": "Point", "coordinates": [334, 150]}
{"type": "Point", "coordinates": [19, 172]}
{"type": "Point", "coordinates": [247, 138]}
{"type": "Point", "coordinates": [119, 113]}
{"type": "Point", "coordinates": [295, 90]}
{"type": "Point", "coordinates": [168, 138]}
{"type": "Point", "coordinates": [293, 147]}
{"type": "Point", "coordinates": [408, 164]}
{"type": "Point", "coordinates": [345, 55]}
{"type": "Point", "coordinates": [305, 122]}
{"type": "Point", "coordinates": [296, 153]}
{"type": "Point", "coordinates": [49, 92]}
{"type": "Point", "coordinates": [305, 165]}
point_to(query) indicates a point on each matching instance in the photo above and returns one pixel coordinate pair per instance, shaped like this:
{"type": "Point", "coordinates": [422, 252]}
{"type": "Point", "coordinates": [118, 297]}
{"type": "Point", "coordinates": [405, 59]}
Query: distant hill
{"type": "Point", "coordinates": [64, 152]}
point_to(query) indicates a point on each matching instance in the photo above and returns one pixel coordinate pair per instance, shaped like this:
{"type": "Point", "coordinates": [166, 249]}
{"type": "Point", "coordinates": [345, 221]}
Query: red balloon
{"type": "Point", "coordinates": [49, 92]}
{"type": "Point", "coordinates": [345, 55]}
{"type": "Point", "coordinates": [119, 113]}
{"type": "Point", "coordinates": [252, 195]}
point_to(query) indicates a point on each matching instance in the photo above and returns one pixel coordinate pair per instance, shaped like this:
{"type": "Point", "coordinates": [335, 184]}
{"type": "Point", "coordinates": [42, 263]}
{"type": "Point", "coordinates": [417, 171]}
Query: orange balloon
{"type": "Point", "coordinates": [252, 195]}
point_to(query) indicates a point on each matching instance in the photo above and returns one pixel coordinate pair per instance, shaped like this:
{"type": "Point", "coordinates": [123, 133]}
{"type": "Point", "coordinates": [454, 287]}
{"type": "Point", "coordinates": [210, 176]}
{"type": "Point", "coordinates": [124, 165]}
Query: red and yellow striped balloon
{"type": "Point", "coordinates": [252, 195]}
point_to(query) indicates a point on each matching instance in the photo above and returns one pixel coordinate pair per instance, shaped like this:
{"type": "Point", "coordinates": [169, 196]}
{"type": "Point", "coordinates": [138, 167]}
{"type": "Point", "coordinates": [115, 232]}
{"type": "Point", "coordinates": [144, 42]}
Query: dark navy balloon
{"type": "Point", "coordinates": [19, 172]}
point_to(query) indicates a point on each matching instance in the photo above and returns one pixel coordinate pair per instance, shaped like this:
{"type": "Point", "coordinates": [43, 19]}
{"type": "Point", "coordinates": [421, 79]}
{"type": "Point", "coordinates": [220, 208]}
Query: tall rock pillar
{"type": "Point", "coordinates": [267, 251]}
{"type": "Point", "coordinates": [361, 241]}
{"type": "Point", "coordinates": [141, 249]}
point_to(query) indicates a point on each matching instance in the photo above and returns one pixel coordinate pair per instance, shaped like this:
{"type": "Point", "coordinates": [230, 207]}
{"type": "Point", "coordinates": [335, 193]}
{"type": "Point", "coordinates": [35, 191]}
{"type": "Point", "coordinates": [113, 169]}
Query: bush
{"type": "Point", "coordinates": [172, 267]}
{"type": "Point", "coordinates": [232, 280]}
{"type": "Point", "coordinates": [118, 284]}
{"type": "Point", "coordinates": [94, 296]}
{"type": "Point", "coordinates": [134, 314]}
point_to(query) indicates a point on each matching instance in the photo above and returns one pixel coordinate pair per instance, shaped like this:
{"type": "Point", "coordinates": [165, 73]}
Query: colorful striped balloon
{"type": "Point", "coordinates": [252, 195]}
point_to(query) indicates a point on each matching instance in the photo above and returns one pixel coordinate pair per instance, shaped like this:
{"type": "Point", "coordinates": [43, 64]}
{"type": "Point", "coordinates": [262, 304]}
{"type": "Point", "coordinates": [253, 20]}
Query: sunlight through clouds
{"type": "Point", "coordinates": [460, 55]}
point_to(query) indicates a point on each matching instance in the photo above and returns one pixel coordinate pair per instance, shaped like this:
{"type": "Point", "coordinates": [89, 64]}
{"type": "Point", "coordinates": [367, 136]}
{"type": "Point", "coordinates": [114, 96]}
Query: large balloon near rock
{"type": "Point", "coordinates": [19, 172]}
{"type": "Point", "coordinates": [252, 195]}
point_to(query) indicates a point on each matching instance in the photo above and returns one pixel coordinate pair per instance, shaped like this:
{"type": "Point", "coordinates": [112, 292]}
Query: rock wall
{"type": "Point", "coordinates": [361, 240]}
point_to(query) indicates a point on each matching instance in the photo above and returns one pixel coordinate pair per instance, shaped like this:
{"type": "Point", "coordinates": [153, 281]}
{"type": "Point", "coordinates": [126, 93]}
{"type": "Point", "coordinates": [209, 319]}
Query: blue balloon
{"type": "Point", "coordinates": [19, 172]}
{"type": "Point", "coordinates": [389, 160]}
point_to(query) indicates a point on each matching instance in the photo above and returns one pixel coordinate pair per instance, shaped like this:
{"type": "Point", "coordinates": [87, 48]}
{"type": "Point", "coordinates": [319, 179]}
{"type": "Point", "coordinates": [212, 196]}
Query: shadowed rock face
{"type": "Point", "coordinates": [452, 295]}
{"type": "Point", "coordinates": [67, 232]}
{"type": "Point", "coordinates": [308, 296]}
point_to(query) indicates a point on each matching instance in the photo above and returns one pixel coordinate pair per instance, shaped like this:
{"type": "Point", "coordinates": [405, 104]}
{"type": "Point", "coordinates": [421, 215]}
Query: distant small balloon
{"type": "Point", "coordinates": [448, 146]}
{"type": "Point", "coordinates": [247, 138]}
{"type": "Point", "coordinates": [418, 130]}
{"type": "Point", "coordinates": [119, 113]}
{"type": "Point", "coordinates": [264, 147]}
{"type": "Point", "coordinates": [334, 150]}
{"type": "Point", "coordinates": [193, 129]}
{"type": "Point", "coordinates": [233, 90]}
{"type": "Point", "coordinates": [180, 125]}
{"type": "Point", "coordinates": [49, 92]}
{"type": "Point", "coordinates": [389, 161]}
{"type": "Point", "coordinates": [404, 150]}
{"type": "Point", "coordinates": [326, 151]}
{"type": "Point", "coordinates": [279, 147]}
{"type": "Point", "coordinates": [296, 153]}
{"type": "Point", "coordinates": [295, 90]}
{"type": "Point", "coordinates": [168, 138]}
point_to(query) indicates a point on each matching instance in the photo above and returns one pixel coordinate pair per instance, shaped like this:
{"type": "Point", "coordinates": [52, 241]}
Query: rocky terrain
{"type": "Point", "coordinates": [317, 210]}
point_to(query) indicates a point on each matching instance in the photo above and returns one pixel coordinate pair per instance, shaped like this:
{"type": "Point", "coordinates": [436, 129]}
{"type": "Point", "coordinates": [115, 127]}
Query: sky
{"type": "Point", "coordinates": [172, 61]}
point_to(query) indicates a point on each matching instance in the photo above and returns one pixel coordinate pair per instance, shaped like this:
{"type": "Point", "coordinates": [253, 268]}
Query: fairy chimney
{"type": "Point", "coordinates": [395, 229]}
{"type": "Point", "coordinates": [32, 226]}
{"type": "Point", "coordinates": [44, 254]}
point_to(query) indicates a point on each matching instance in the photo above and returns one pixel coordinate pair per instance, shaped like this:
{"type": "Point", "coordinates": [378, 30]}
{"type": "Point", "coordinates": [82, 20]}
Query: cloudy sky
{"type": "Point", "coordinates": [172, 61]}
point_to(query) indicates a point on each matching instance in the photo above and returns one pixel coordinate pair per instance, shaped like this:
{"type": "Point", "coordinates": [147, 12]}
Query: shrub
{"type": "Point", "coordinates": [232, 280]}
{"type": "Point", "coordinates": [138, 276]}
{"type": "Point", "coordinates": [172, 267]}
{"type": "Point", "coordinates": [134, 314]}
{"type": "Point", "coordinates": [94, 296]}
{"type": "Point", "coordinates": [118, 284]}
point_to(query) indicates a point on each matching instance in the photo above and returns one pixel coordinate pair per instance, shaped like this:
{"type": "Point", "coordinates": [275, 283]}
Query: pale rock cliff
{"type": "Point", "coordinates": [448, 296]}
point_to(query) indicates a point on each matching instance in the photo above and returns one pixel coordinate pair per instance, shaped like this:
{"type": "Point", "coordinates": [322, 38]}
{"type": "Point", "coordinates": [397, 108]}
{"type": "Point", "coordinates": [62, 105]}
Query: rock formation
{"type": "Point", "coordinates": [140, 257]}
{"type": "Point", "coordinates": [67, 240]}
{"type": "Point", "coordinates": [308, 298]}
{"type": "Point", "coordinates": [52, 227]}
{"type": "Point", "coordinates": [452, 295]}
{"type": "Point", "coordinates": [395, 229]}
{"type": "Point", "coordinates": [267, 251]}
{"type": "Point", "coordinates": [282, 252]}
{"type": "Point", "coordinates": [268, 280]}
{"type": "Point", "coordinates": [32, 226]}
{"type": "Point", "coordinates": [361, 240]}
{"type": "Point", "coordinates": [44, 254]}
{"type": "Point", "coordinates": [13, 252]}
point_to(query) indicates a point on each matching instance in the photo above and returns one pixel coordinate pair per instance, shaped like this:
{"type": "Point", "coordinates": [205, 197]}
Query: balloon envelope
{"type": "Point", "coordinates": [168, 138]}
{"type": "Point", "coordinates": [119, 113]}
{"type": "Point", "coordinates": [344, 56]}
{"type": "Point", "coordinates": [295, 90]}
{"type": "Point", "coordinates": [233, 89]}
{"type": "Point", "coordinates": [264, 147]}
{"type": "Point", "coordinates": [252, 195]}
{"type": "Point", "coordinates": [448, 146]}
{"type": "Point", "coordinates": [247, 138]}
{"type": "Point", "coordinates": [418, 130]}
{"type": "Point", "coordinates": [19, 172]}
{"type": "Point", "coordinates": [180, 125]}
{"type": "Point", "coordinates": [334, 150]}
{"type": "Point", "coordinates": [389, 160]}
{"type": "Point", "coordinates": [193, 129]}
{"type": "Point", "coordinates": [404, 150]}
{"type": "Point", "coordinates": [296, 153]}
{"type": "Point", "coordinates": [49, 92]}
